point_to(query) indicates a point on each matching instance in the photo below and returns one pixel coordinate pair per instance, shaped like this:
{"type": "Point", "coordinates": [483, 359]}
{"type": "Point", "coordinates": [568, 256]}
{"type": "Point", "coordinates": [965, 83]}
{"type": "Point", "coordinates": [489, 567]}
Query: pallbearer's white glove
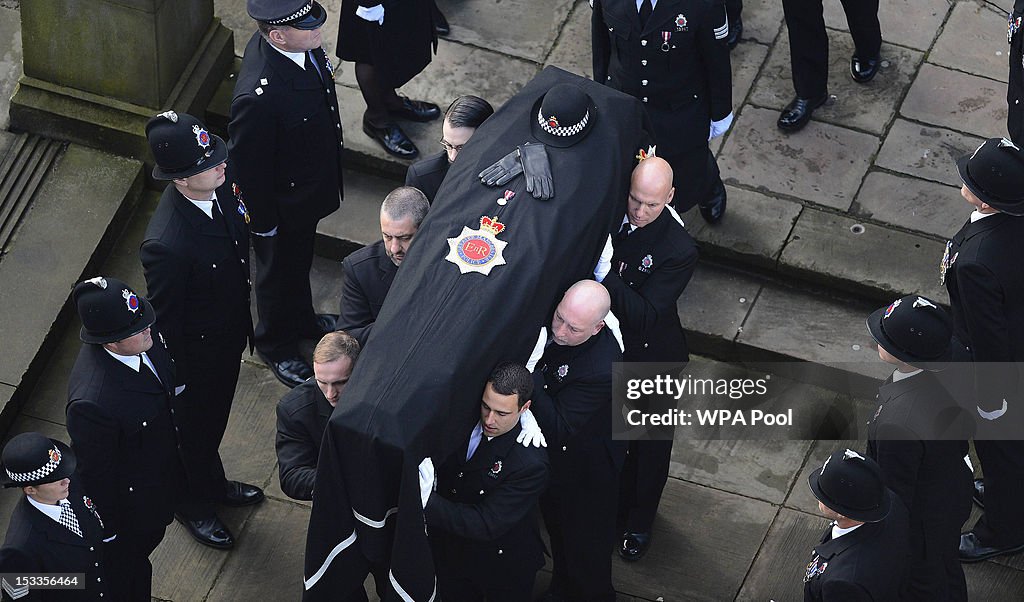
{"type": "Point", "coordinates": [426, 480]}
{"type": "Point", "coordinates": [530, 435]}
{"type": "Point", "coordinates": [721, 126]}
{"type": "Point", "coordinates": [374, 13]}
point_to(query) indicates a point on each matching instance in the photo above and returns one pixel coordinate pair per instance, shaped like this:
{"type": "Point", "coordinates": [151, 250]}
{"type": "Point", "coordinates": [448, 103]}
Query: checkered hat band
{"type": "Point", "coordinates": [569, 130]}
{"type": "Point", "coordinates": [39, 473]}
{"type": "Point", "coordinates": [295, 15]}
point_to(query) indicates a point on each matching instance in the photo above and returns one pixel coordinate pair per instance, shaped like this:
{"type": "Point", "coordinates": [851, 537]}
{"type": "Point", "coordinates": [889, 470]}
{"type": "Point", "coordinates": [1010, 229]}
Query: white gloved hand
{"type": "Point", "coordinates": [993, 414]}
{"type": "Point", "coordinates": [538, 349]}
{"type": "Point", "coordinates": [721, 126]}
{"type": "Point", "coordinates": [374, 13]}
{"type": "Point", "coordinates": [604, 263]}
{"type": "Point", "coordinates": [266, 234]}
{"type": "Point", "coordinates": [426, 471]}
{"type": "Point", "coordinates": [531, 434]}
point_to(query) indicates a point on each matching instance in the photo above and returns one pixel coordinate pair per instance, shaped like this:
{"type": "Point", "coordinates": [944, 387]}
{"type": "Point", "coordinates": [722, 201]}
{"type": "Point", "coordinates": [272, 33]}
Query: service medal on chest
{"type": "Point", "coordinates": [478, 250]}
{"type": "Point", "coordinates": [814, 568]}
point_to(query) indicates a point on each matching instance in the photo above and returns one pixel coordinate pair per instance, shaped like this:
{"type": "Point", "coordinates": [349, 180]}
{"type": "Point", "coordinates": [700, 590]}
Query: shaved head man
{"type": "Point", "coordinates": [650, 189]}
{"type": "Point", "coordinates": [580, 315]}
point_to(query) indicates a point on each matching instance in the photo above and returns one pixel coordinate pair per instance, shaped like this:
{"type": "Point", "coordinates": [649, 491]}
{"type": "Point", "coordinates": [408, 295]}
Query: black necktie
{"type": "Point", "coordinates": [646, 8]}
{"type": "Point", "coordinates": [312, 67]}
{"type": "Point", "coordinates": [624, 231]}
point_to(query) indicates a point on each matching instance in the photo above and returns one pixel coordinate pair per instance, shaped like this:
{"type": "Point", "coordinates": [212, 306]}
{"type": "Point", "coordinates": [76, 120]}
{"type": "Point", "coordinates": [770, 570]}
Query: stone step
{"type": "Point", "coordinates": [63, 208]}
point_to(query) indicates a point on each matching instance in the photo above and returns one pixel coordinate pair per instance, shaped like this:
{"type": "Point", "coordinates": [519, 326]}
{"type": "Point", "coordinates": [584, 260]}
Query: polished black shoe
{"type": "Point", "coordinates": [862, 70]}
{"type": "Point", "coordinates": [292, 371]}
{"type": "Point", "coordinates": [979, 492]}
{"type": "Point", "coordinates": [242, 494]}
{"type": "Point", "coordinates": [441, 26]}
{"type": "Point", "coordinates": [798, 112]}
{"type": "Point", "coordinates": [634, 546]}
{"type": "Point", "coordinates": [209, 532]}
{"type": "Point", "coordinates": [973, 550]}
{"type": "Point", "coordinates": [735, 31]}
{"type": "Point", "coordinates": [393, 139]}
{"type": "Point", "coordinates": [713, 211]}
{"type": "Point", "coordinates": [417, 110]}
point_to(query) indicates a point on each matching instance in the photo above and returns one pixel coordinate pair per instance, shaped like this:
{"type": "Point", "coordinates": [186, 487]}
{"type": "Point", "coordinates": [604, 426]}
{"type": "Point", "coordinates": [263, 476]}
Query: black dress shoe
{"type": "Point", "coordinates": [979, 492]}
{"type": "Point", "coordinates": [292, 371]}
{"type": "Point", "coordinates": [863, 70]}
{"type": "Point", "coordinates": [973, 550]}
{"type": "Point", "coordinates": [735, 31]}
{"type": "Point", "coordinates": [798, 112]}
{"type": "Point", "coordinates": [393, 139]}
{"type": "Point", "coordinates": [209, 532]}
{"type": "Point", "coordinates": [441, 26]}
{"type": "Point", "coordinates": [634, 546]}
{"type": "Point", "coordinates": [416, 110]}
{"type": "Point", "coordinates": [713, 211]}
{"type": "Point", "coordinates": [242, 494]}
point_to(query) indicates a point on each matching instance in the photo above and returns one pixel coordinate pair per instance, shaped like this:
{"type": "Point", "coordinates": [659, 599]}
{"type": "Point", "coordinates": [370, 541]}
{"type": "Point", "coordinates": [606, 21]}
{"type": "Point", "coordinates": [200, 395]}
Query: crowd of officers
{"type": "Point", "coordinates": [151, 390]}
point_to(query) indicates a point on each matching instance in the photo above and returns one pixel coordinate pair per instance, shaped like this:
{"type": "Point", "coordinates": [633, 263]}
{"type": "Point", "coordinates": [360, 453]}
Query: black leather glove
{"type": "Point", "coordinates": [537, 171]}
{"type": "Point", "coordinates": [502, 170]}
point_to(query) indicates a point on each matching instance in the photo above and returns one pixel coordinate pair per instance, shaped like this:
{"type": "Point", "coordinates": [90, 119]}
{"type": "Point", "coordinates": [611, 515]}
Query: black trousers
{"type": "Point", "coordinates": [808, 41]}
{"type": "Point", "coordinates": [284, 300]}
{"type": "Point", "coordinates": [733, 8]}
{"type": "Point", "coordinates": [695, 176]}
{"type": "Point", "coordinates": [1002, 462]}
{"type": "Point", "coordinates": [379, 97]}
{"type": "Point", "coordinates": [202, 410]}
{"type": "Point", "coordinates": [501, 587]}
{"type": "Point", "coordinates": [1015, 91]}
{"type": "Point", "coordinates": [130, 571]}
{"type": "Point", "coordinates": [643, 479]}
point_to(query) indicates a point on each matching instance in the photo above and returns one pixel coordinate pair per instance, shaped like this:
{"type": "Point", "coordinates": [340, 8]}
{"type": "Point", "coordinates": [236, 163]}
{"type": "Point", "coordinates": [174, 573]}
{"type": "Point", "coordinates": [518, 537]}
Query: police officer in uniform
{"type": "Point", "coordinates": [673, 56]}
{"type": "Point", "coordinates": [981, 272]}
{"type": "Point", "coordinates": [919, 439]}
{"type": "Point", "coordinates": [653, 261]}
{"type": "Point", "coordinates": [572, 402]}
{"type": "Point", "coordinates": [286, 144]}
{"type": "Point", "coordinates": [196, 259]}
{"type": "Point", "coordinates": [1015, 89]}
{"type": "Point", "coordinates": [370, 271]}
{"type": "Point", "coordinates": [123, 428]}
{"type": "Point", "coordinates": [862, 555]}
{"type": "Point", "coordinates": [482, 517]}
{"type": "Point", "coordinates": [54, 528]}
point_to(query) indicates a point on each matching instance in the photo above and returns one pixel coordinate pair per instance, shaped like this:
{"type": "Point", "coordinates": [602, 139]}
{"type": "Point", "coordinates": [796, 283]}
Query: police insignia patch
{"type": "Point", "coordinates": [893, 306]}
{"type": "Point", "coordinates": [563, 370]}
{"type": "Point", "coordinates": [202, 136]}
{"type": "Point", "coordinates": [680, 22]}
{"type": "Point", "coordinates": [495, 469]}
{"type": "Point", "coordinates": [478, 250]}
{"type": "Point", "coordinates": [646, 263]}
{"type": "Point", "coordinates": [130, 300]}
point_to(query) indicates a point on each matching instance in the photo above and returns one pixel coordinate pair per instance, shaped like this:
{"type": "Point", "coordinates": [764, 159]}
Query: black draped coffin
{"type": "Point", "coordinates": [416, 388]}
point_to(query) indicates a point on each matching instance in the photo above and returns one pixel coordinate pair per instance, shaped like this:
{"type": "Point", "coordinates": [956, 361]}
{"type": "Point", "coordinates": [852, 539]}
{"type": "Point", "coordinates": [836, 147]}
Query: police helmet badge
{"type": "Point", "coordinates": [552, 121]}
{"type": "Point", "coordinates": [202, 136]}
{"type": "Point", "coordinates": [647, 154]}
{"type": "Point", "coordinates": [478, 250]}
{"type": "Point", "coordinates": [131, 300]}
{"type": "Point", "coordinates": [891, 308]}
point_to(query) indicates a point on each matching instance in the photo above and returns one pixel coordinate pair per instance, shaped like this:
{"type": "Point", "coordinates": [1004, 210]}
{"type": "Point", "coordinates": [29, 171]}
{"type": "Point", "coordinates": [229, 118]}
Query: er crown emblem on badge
{"type": "Point", "coordinates": [478, 250]}
{"type": "Point", "coordinates": [553, 121]}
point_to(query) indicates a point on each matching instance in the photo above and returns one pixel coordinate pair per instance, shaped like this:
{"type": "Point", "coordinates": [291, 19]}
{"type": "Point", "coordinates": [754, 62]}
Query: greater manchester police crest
{"type": "Point", "coordinates": [478, 250]}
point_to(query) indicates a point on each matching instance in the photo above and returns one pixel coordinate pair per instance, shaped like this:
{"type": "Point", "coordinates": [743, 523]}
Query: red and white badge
{"type": "Point", "coordinates": [478, 250]}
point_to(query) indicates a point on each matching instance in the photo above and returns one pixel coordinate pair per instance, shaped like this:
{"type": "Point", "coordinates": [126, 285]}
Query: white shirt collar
{"type": "Point", "coordinates": [897, 376]}
{"type": "Point", "coordinates": [977, 215]}
{"type": "Point", "coordinates": [838, 532]}
{"type": "Point", "coordinates": [53, 511]}
{"type": "Point", "coordinates": [625, 220]}
{"type": "Point", "coordinates": [299, 58]}
{"type": "Point", "coordinates": [205, 206]}
{"type": "Point", "coordinates": [654, 4]}
{"type": "Point", "coordinates": [474, 440]}
{"type": "Point", "coordinates": [132, 361]}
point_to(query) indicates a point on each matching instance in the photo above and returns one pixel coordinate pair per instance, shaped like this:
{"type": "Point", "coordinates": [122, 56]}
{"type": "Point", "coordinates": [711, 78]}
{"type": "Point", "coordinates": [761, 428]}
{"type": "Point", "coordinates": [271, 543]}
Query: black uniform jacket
{"type": "Point", "coordinates": [36, 543]}
{"type": "Point", "coordinates": [122, 431]}
{"type": "Point", "coordinates": [1015, 89]}
{"type": "Point", "coordinates": [302, 416]}
{"type": "Point", "coordinates": [286, 138]}
{"type": "Point", "coordinates": [400, 48]}
{"type": "Point", "coordinates": [678, 65]}
{"type": "Point", "coordinates": [650, 269]}
{"type": "Point", "coordinates": [369, 273]}
{"type": "Point", "coordinates": [919, 437]}
{"type": "Point", "coordinates": [197, 274]}
{"type": "Point", "coordinates": [865, 565]}
{"type": "Point", "coordinates": [572, 401]}
{"type": "Point", "coordinates": [482, 518]}
{"type": "Point", "coordinates": [428, 173]}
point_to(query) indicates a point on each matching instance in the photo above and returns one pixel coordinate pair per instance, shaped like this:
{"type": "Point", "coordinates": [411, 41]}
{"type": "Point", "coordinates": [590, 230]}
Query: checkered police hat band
{"type": "Point", "coordinates": [40, 473]}
{"type": "Point", "coordinates": [295, 15]}
{"type": "Point", "coordinates": [569, 130]}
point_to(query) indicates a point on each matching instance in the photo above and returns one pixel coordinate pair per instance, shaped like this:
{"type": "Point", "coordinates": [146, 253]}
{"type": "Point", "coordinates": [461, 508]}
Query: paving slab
{"type": "Point", "coordinates": [925, 151]}
{"type": "Point", "coordinates": [913, 23]}
{"type": "Point", "coordinates": [993, 581]}
{"type": "Point", "coordinates": [10, 60]}
{"type": "Point", "coordinates": [754, 229]}
{"type": "Point", "coordinates": [823, 163]}
{"type": "Point", "coordinates": [247, 449]}
{"type": "Point", "coordinates": [828, 246]}
{"type": "Point", "coordinates": [713, 307]}
{"type": "Point", "coordinates": [869, 107]}
{"type": "Point", "coordinates": [778, 571]}
{"type": "Point", "coordinates": [958, 101]}
{"type": "Point", "coordinates": [529, 35]}
{"type": "Point", "coordinates": [703, 541]}
{"type": "Point", "coordinates": [974, 40]}
{"type": "Point", "coordinates": [358, 220]}
{"type": "Point", "coordinates": [910, 203]}
{"type": "Point", "coordinates": [574, 51]}
{"type": "Point", "coordinates": [762, 21]}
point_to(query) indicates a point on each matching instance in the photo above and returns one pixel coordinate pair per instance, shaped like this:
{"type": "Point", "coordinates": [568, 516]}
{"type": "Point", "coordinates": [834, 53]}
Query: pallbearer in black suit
{"type": "Point", "coordinates": [370, 271]}
{"type": "Point", "coordinates": [1015, 89]}
{"type": "Point", "coordinates": [919, 439]}
{"type": "Point", "coordinates": [196, 259]}
{"type": "Point", "coordinates": [653, 261]}
{"type": "Point", "coordinates": [302, 414]}
{"type": "Point", "coordinates": [54, 528]}
{"type": "Point", "coordinates": [863, 554]}
{"type": "Point", "coordinates": [286, 148]}
{"type": "Point", "coordinates": [463, 116]}
{"type": "Point", "coordinates": [573, 403]}
{"type": "Point", "coordinates": [808, 51]}
{"type": "Point", "coordinates": [673, 56]}
{"type": "Point", "coordinates": [482, 515]}
{"type": "Point", "coordinates": [981, 271]}
{"type": "Point", "coordinates": [123, 429]}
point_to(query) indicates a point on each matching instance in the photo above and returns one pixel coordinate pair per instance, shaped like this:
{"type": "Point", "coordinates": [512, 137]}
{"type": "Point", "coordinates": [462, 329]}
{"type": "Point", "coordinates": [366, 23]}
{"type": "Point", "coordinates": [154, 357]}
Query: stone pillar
{"type": "Point", "coordinates": [97, 70]}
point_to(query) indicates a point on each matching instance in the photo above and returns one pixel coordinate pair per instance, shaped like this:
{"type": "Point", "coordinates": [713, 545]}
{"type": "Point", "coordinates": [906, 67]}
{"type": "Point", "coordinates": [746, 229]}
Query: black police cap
{"type": "Point", "coordinates": [915, 330]}
{"type": "Point", "coordinates": [563, 116]}
{"type": "Point", "coordinates": [32, 459]}
{"type": "Point", "coordinates": [110, 310]}
{"type": "Point", "coordinates": [300, 14]}
{"type": "Point", "coordinates": [852, 485]}
{"type": "Point", "coordinates": [182, 146]}
{"type": "Point", "coordinates": [995, 174]}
